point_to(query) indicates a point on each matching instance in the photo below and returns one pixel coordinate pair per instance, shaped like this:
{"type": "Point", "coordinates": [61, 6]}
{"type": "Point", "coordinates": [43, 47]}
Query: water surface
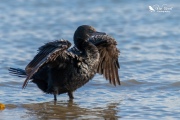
{"type": "Point", "coordinates": [150, 59]}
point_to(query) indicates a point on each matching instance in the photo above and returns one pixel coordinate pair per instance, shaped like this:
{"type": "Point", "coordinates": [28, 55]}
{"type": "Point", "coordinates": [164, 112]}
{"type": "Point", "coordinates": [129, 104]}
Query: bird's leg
{"type": "Point", "coordinates": [55, 93]}
{"type": "Point", "coordinates": [55, 97]}
{"type": "Point", "coordinates": [70, 94]}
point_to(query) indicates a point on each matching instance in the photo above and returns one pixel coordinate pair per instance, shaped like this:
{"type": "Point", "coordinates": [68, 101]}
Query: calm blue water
{"type": "Point", "coordinates": [150, 59]}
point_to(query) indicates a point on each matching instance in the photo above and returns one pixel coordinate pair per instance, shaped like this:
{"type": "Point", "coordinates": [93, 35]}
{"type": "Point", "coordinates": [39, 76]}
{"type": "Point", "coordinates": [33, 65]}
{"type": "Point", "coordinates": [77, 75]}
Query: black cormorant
{"type": "Point", "coordinates": [58, 69]}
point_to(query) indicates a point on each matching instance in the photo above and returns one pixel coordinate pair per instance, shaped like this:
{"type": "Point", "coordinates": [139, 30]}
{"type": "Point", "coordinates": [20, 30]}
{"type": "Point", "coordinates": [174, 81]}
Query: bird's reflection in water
{"type": "Point", "coordinates": [70, 110]}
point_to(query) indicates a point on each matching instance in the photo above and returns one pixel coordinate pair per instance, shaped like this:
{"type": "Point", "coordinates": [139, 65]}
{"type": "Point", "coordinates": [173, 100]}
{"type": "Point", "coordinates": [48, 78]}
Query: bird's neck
{"type": "Point", "coordinates": [87, 49]}
{"type": "Point", "coordinates": [90, 50]}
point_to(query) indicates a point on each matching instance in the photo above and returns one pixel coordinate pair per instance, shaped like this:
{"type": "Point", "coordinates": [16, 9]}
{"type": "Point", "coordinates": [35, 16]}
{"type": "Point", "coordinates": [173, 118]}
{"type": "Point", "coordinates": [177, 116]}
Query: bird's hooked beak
{"type": "Point", "coordinates": [98, 33]}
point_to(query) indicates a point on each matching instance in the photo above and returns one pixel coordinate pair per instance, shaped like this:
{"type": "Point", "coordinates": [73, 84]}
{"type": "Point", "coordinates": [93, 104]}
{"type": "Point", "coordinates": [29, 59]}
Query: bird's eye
{"type": "Point", "coordinates": [91, 31]}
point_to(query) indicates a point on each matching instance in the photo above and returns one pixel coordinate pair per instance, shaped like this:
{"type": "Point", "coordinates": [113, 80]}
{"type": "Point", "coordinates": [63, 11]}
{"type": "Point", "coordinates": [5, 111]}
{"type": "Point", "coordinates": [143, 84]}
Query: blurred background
{"type": "Point", "coordinates": [148, 36]}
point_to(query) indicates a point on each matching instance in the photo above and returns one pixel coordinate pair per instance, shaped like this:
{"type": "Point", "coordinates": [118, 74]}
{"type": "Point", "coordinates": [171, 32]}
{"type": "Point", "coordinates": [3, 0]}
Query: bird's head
{"type": "Point", "coordinates": [84, 32]}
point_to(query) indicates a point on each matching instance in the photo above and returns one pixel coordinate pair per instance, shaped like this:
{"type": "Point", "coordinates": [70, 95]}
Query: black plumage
{"type": "Point", "coordinates": [58, 69]}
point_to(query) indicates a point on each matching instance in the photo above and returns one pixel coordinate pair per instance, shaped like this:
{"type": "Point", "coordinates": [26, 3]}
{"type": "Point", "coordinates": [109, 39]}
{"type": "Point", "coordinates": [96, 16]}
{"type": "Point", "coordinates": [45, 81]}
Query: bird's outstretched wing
{"type": "Point", "coordinates": [45, 50]}
{"type": "Point", "coordinates": [47, 54]}
{"type": "Point", "coordinates": [108, 63]}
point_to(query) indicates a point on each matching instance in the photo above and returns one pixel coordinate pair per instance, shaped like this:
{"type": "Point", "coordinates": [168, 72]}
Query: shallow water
{"type": "Point", "coordinates": [150, 59]}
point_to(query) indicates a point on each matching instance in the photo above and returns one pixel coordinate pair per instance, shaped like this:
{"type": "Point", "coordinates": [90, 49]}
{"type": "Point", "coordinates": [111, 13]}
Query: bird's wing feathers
{"type": "Point", "coordinates": [108, 63]}
{"type": "Point", "coordinates": [47, 53]}
{"type": "Point", "coordinates": [45, 50]}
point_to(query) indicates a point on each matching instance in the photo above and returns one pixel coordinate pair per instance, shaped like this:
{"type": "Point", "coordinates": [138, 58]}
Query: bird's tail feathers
{"type": "Point", "coordinates": [17, 72]}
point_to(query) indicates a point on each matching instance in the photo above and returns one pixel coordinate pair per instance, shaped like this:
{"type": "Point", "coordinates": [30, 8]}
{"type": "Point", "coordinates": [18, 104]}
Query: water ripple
{"type": "Point", "coordinates": [149, 44]}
